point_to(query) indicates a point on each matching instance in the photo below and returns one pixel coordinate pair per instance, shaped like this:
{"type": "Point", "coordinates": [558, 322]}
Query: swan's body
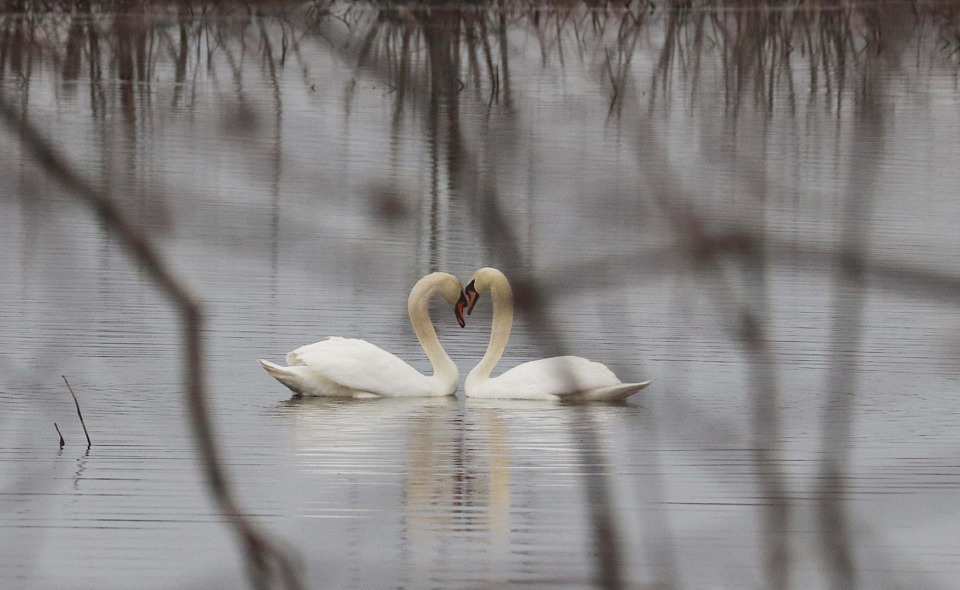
{"type": "Point", "coordinates": [564, 378]}
{"type": "Point", "coordinates": [355, 368]}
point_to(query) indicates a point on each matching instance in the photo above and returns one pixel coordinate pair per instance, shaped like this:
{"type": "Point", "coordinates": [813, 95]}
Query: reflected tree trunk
{"type": "Point", "coordinates": [838, 420]}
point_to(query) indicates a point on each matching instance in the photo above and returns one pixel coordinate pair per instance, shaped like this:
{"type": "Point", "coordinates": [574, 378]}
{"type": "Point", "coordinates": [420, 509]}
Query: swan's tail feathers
{"type": "Point", "coordinates": [293, 359]}
{"type": "Point", "coordinates": [612, 393]}
{"type": "Point", "coordinates": [284, 375]}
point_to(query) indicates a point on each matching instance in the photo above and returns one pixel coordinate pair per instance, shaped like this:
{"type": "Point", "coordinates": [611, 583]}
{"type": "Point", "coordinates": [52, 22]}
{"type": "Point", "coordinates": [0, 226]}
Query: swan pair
{"type": "Point", "coordinates": [356, 368]}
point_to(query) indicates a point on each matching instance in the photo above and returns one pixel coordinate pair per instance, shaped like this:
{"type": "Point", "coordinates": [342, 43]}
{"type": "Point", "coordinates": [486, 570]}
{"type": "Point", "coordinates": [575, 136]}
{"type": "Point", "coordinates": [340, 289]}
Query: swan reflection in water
{"type": "Point", "coordinates": [431, 486]}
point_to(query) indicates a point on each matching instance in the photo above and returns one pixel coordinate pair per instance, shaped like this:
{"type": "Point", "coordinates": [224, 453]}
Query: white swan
{"type": "Point", "coordinates": [356, 368]}
{"type": "Point", "coordinates": [565, 378]}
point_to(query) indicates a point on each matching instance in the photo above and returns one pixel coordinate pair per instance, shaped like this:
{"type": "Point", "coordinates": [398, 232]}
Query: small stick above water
{"type": "Point", "coordinates": [78, 410]}
{"type": "Point", "coordinates": [61, 436]}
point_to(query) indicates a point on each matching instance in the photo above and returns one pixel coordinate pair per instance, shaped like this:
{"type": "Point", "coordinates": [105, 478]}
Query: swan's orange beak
{"type": "Point", "coordinates": [472, 297]}
{"type": "Point", "coordinates": [458, 309]}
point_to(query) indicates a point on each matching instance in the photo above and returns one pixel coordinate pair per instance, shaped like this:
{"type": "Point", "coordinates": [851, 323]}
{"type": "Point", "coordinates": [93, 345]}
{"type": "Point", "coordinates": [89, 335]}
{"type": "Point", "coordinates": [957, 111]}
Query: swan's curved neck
{"type": "Point", "coordinates": [502, 297]}
{"type": "Point", "coordinates": [444, 369]}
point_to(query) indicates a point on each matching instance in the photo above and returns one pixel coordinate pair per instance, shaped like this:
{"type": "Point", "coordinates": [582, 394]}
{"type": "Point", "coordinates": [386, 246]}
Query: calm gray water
{"type": "Point", "coordinates": [301, 171]}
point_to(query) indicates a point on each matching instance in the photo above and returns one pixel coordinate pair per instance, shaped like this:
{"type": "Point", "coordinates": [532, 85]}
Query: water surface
{"type": "Point", "coordinates": [301, 170]}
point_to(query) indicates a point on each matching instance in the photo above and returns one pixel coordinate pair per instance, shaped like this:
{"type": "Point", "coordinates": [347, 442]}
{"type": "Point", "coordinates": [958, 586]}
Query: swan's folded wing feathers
{"type": "Point", "coordinates": [295, 358]}
{"type": "Point", "coordinates": [359, 365]}
{"type": "Point", "coordinates": [559, 376]}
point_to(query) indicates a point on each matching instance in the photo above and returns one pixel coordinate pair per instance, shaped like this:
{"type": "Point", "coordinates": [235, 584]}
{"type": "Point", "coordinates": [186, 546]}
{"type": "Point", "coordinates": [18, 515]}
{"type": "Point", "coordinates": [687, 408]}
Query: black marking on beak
{"type": "Point", "coordinates": [458, 309]}
{"type": "Point", "coordinates": [472, 296]}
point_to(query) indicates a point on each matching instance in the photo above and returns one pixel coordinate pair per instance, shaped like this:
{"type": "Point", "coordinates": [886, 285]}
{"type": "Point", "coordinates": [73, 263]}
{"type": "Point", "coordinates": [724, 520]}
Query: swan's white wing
{"type": "Point", "coordinates": [359, 365]}
{"type": "Point", "coordinates": [558, 376]}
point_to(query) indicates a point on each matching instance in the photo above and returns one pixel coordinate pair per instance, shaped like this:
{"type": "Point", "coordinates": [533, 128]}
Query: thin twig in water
{"type": "Point", "coordinates": [61, 435]}
{"type": "Point", "coordinates": [77, 403]}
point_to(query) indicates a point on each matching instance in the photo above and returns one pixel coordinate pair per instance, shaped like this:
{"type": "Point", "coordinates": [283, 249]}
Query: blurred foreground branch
{"type": "Point", "coordinates": [694, 241]}
{"type": "Point", "coordinates": [265, 561]}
